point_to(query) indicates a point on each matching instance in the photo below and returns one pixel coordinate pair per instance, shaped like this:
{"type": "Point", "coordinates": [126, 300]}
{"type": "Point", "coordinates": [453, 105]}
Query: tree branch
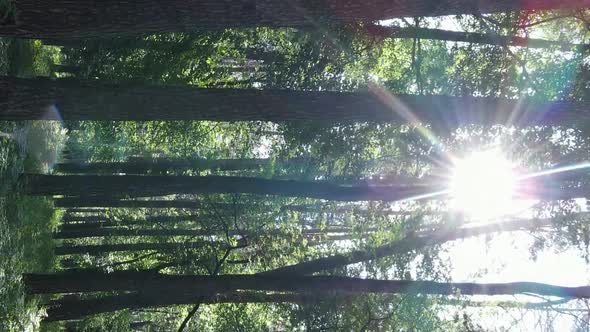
{"type": "Point", "coordinates": [189, 316]}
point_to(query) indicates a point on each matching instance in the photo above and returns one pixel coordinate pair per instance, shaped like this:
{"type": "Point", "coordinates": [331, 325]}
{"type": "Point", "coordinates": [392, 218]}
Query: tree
{"type": "Point", "coordinates": [113, 202]}
{"type": "Point", "coordinates": [106, 223]}
{"type": "Point", "coordinates": [75, 282]}
{"type": "Point", "coordinates": [143, 186]}
{"type": "Point", "coordinates": [160, 165]}
{"type": "Point", "coordinates": [100, 232]}
{"type": "Point", "coordinates": [138, 186]}
{"type": "Point", "coordinates": [383, 32]}
{"type": "Point", "coordinates": [75, 308]}
{"type": "Point", "coordinates": [91, 18]}
{"type": "Point", "coordinates": [28, 99]}
{"type": "Point", "coordinates": [405, 245]}
{"type": "Point", "coordinates": [103, 221]}
{"type": "Point", "coordinates": [98, 249]}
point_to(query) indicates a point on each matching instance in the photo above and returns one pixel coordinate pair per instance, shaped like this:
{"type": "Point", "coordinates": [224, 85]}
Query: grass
{"type": "Point", "coordinates": [26, 223]}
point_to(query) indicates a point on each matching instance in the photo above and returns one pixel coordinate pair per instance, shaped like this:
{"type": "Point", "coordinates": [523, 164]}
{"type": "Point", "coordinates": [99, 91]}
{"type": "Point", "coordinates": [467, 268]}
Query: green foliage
{"type": "Point", "coordinates": [114, 322]}
{"type": "Point", "coordinates": [26, 245]}
{"type": "Point", "coordinates": [26, 58]}
{"type": "Point", "coordinates": [236, 317]}
{"type": "Point", "coordinates": [336, 58]}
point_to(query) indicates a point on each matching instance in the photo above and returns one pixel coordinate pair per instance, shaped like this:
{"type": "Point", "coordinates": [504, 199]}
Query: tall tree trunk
{"type": "Point", "coordinates": [143, 186]}
{"type": "Point", "coordinates": [319, 208]}
{"type": "Point", "coordinates": [76, 210]}
{"type": "Point", "coordinates": [147, 220]}
{"type": "Point", "coordinates": [471, 37]}
{"type": "Point", "coordinates": [106, 222]}
{"type": "Point", "coordinates": [100, 232]}
{"type": "Point", "coordinates": [315, 234]}
{"type": "Point", "coordinates": [405, 245]}
{"type": "Point", "coordinates": [113, 202]}
{"type": "Point", "coordinates": [84, 18]}
{"type": "Point", "coordinates": [28, 99]}
{"type": "Point", "coordinates": [98, 249]}
{"type": "Point", "coordinates": [69, 308]}
{"type": "Point", "coordinates": [66, 69]}
{"type": "Point", "coordinates": [85, 219]}
{"type": "Point", "coordinates": [199, 285]}
{"type": "Point", "coordinates": [160, 165]}
{"type": "Point", "coordinates": [146, 186]}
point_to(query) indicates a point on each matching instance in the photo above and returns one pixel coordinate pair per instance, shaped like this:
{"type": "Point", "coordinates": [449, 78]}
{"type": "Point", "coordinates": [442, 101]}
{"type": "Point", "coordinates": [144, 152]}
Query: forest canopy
{"type": "Point", "coordinates": [294, 165]}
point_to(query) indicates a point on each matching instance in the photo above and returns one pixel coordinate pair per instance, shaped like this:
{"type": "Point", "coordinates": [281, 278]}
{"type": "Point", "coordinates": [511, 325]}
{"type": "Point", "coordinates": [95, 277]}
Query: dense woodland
{"type": "Point", "coordinates": [286, 165]}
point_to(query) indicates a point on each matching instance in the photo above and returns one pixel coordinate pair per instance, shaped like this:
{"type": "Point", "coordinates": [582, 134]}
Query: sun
{"type": "Point", "coordinates": [483, 185]}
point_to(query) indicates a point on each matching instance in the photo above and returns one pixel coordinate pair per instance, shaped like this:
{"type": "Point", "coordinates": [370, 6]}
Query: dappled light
{"type": "Point", "coordinates": [358, 165]}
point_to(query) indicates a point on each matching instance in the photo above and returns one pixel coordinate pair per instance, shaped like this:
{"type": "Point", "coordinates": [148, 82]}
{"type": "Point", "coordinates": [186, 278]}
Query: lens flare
{"type": "Point", "coordinates": [483, 185]}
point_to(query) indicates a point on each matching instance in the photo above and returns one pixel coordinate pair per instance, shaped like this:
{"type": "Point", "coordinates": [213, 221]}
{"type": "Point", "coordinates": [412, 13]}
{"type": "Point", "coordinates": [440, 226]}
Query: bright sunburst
{"type": "Point", "coordinates": [483, 185]}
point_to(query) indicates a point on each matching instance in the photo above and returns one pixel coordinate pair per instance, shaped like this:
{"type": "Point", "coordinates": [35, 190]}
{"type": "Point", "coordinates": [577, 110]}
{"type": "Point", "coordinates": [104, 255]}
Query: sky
{"type": "Point", "coordinates": [506, 258]}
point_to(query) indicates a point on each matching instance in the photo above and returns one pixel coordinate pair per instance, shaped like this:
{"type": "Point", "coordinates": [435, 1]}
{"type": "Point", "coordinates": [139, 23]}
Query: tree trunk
{"type": "Point", "coordinates": [146, 186]}
{"type": "Point", "coordinates": [148, 220]}
{"type": "Point", "coordinates": [143, 186]}
{"type": "Point", "coordinates": [319, 208]}
{"type": "Point", "coordinates": [75, 308]}
{"type": "Point", "coordinates": [314, 234]}
{"type": "Point", "coordinates": [111, 202]}
{"type": "Point", "coordinates": [76, 210]}
{"type": "Point", "coordinates": [106, 222]}
{"type": "Point", "coordinates": [471, 37]}
{"type": "Point", "coordinates": [29, 99]}
{"type": "Point", "coordinates": [85, 18]}
{"type": "Point", "coordinates": [199, 285]}
{"type": "Point", "coordinates": [85, 219]}
{"type": "Point", "coordinates": [405, 245]}
{"type": "Point", "coordinates": [99, 249]}
{"type": "Point", "coordinates": [66, 69]}
{"type": "Point", "coordinates": [100, 232]}
{"type": "Point", "coordinates": [160, 166]}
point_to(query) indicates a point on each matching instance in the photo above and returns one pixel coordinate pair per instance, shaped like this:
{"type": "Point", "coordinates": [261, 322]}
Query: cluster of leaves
{"type": "Point", "coordinates": [337, 59]}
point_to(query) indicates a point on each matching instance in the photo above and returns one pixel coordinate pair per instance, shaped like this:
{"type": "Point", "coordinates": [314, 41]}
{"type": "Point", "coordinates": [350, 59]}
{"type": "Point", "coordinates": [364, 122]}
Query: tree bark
{"type": "Point", "coordinates": [471, 37]}
{"type": "Point", "coordinates": [91, 211]}
{"type": "Point", "coordinates": [143, 186]}
{"type": "Point", "coordinates": [101, 232]}
{"type": "Point", "coordinates": [312, 208]}
{"type": "Point", "coordinates": [199, 285]}
{"type": "Point", "coordinates": [105, 223]}
{"type": "Point", "coordinates": [99, 249]}
{"type": "Point", "coordinates": [66, 69]}
{"type": "Point", "coordinates": [113, 202]}
{"type": "Point", "coordinates": [314, 234]}
{"type": "Point", "coordinates": [29, 99]}
{"type": "Point", "coordinates": [85, 219]}
{"type": "Point", "coordinates": [160, 166]}
{"type": "Point", "coordinates": [146, 186]}
{"type": "Point", "coordinates": [404, 245]}
{"type": "Point", "coordinates": [75, 308]}
{"type": "Point", "coordinates": [86, 18]}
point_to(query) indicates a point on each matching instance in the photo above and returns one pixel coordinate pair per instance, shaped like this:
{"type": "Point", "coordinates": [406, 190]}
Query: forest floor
{"type": "Point", "coordinates": [26, 223]}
